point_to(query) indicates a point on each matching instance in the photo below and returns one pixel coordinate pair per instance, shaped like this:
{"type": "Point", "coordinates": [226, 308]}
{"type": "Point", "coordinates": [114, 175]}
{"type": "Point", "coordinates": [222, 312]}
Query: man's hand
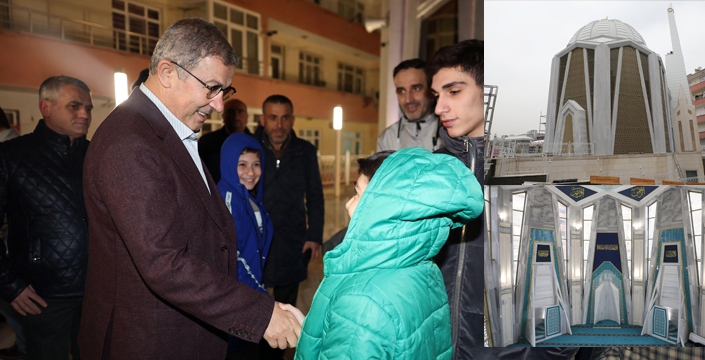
{"type": "Point", "coordinates": [283, 330]}
{"type": "Point", "coordinates": [315, 248]}
{"type": "Point", "coordinates": [24, 303]}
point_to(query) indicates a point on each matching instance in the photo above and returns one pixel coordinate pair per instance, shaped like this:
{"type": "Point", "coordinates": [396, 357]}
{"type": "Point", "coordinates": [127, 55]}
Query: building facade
{"type": "Point", "coordinates": [317, 57]}
{"type": "Point", "coordinates": [696, 82]}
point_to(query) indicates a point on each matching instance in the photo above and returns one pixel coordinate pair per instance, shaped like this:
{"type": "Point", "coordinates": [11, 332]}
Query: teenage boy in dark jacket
{"type": "Point", "coordinates": [457, 74]}
{"type": "Point", "coordinates": [457, 79]}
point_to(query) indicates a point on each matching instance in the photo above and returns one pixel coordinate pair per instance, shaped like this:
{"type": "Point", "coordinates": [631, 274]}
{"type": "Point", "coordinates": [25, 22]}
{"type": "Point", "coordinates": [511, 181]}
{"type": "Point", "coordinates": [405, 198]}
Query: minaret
{"type": "Point", "coordinates": [675, 66]}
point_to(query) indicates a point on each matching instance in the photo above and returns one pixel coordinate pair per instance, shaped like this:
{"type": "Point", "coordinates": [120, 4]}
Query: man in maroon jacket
{"type": "Point", "coordinates": [163, 259]}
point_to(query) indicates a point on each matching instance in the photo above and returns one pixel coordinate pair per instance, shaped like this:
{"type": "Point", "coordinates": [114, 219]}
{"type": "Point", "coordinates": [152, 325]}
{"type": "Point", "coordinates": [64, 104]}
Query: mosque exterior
{"type": "Point", "coordinates": [609, 113]}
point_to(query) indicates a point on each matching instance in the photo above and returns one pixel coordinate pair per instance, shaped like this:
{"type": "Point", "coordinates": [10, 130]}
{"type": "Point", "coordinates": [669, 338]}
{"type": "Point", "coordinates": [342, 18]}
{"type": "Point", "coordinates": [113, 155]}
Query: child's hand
{"type": "Point", "coordinates": [296, 312]}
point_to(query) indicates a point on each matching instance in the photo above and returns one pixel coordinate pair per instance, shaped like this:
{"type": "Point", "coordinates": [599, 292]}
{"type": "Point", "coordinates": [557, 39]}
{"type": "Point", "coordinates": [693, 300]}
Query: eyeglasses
{"type": "Point", "coordinates": [212, 90]}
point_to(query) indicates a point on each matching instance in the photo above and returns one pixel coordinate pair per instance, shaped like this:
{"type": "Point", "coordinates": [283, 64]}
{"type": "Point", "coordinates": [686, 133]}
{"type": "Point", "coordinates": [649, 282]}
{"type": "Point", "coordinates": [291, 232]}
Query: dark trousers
{"type": "Point", "coordinates": [51, 334]}
{"type": "Point", "coordinates": [286, 295]}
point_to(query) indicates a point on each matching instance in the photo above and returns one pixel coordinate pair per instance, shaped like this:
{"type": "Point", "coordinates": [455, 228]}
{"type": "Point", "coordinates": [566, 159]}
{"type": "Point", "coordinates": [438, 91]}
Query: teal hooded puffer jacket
{"type": "Point", "coordinates": [382, 297]}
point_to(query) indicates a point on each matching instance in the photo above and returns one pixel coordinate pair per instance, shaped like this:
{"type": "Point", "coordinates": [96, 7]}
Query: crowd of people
{"type": "Point", "coordinates": [150, 243]}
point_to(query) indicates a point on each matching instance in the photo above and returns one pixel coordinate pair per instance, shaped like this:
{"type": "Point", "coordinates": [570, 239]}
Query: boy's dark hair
{"type": "Point", "coordinates": [408, 64]}
{"type": "Point", "coordinates": [251, 151]}
{"type": "Point", "coordinates": [4, 123]}
{"type": "Point", "coordinates": [277, 99]}
{"type": "Point", "coordinates": [467, 55]}
{"type": "Point", "coordinates": [369, 165]}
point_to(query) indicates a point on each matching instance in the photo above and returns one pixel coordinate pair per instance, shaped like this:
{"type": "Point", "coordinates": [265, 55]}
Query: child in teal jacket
{"type": "Point", "coordinates": [382, 296]}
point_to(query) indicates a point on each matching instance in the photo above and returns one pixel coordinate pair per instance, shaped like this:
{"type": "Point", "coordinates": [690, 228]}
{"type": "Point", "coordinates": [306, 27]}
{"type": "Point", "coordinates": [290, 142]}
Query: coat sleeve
{"type": "Point", "coordinates": [141, 192]}
{"type": "Point", "coordinates": [357, 327]}
{"type": "Point", "coordinates": [314, 198]}
{"type": "Point", "coordinates": [10, 285]}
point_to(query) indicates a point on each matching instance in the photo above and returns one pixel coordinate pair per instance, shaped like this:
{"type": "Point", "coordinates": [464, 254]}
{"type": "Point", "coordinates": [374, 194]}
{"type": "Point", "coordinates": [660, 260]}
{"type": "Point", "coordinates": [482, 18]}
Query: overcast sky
{"type": "Point", "coordinates": [522, 37]}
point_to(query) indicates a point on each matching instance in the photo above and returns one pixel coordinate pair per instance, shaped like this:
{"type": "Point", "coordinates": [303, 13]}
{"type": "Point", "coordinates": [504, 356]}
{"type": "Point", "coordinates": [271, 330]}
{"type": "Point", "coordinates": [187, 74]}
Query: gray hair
{"type": "Point", "coordinates": [189, 40]}
{"type": "Point", "coordinates": [51, 87]}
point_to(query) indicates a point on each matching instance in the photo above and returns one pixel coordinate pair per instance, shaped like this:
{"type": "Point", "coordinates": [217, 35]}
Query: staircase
{"type": "Point", "coordinates": [672, 333]}
{"type": "Point", "coordinates": [540, 332]}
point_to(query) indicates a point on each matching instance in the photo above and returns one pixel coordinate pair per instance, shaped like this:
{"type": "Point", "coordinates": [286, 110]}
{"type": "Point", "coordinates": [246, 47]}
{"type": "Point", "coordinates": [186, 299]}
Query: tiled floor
{"type": "Point", "coordinates": [336, 219]}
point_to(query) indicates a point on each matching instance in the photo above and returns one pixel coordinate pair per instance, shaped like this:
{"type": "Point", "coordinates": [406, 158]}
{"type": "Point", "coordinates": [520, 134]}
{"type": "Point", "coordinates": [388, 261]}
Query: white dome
{"type": "Point", "coordinates": [607, 30]}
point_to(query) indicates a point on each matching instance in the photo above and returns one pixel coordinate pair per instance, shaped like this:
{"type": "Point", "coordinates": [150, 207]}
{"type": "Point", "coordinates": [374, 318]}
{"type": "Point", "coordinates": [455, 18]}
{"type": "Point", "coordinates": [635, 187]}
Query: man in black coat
{"type": "Point", "coordinates": [41, 190]}
{"type": "Point", "coordinates": [209, 145]}
{"type": "Point", "coordinates": [293, 196]}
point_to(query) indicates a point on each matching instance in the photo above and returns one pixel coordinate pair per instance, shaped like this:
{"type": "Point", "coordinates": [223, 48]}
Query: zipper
{"type": "Point", "coordinates": [456, 288]}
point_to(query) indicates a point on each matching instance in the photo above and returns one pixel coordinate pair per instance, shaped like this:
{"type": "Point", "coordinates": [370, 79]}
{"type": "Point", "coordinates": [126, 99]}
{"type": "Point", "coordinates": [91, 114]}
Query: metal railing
{"type": "Point", "coordinates": [28, 20]}
{"type": "Point", "coordinates": [348, 168]}
{"type": "Point", "coordinates": [518, 166]}
{"type": "Point", "coordinates": [518, 148]}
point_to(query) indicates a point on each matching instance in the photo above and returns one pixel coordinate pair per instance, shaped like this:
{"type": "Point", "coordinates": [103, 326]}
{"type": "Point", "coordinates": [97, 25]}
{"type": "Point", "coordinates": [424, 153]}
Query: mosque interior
{"type": "Point", "coordinates": [594, 265]}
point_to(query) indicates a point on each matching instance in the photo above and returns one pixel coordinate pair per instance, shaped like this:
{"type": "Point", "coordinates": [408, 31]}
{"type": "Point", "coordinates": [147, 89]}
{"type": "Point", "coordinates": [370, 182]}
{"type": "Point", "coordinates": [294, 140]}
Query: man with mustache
{"type": "Point", "coordinates": [293, 195]}
{"type": "Point", "coordinates": [419, 126]}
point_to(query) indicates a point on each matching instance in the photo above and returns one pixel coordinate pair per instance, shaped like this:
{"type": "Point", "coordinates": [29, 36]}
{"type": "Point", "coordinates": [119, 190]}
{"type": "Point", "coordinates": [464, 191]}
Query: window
{"type": "Point", "coordinates": [351, 79]}
{"type": "Point", "coordinates": [241, 27]}
{"type": "Point", "coordinates": [587, 229]}
{"type": "Point", "coordinates": [276, 61]}
{"type": "Point", "coordinates": [312, 136]}
{"type": "Point", "coordinates": [691, 176]}
{"type": "Point", "coordinates": [562, 222]}
{"type": "Point", "coordinates": [695, 202]}
{"type": "Point", "coordinates": [137, 27]}
{"type": "Point", "coordinates": [351, 141]}
{"type": "Point", "coordinates": [441, 31]}
{"type": "Point", "coordinates": [518, 201]}
{"type": "Point", "coordinates": [310, 69]}
{"type": "Point", "coordinates": [13, 118]}
{"type": "Point", "coordinates": [350, 9]}
{"type": "Point", "coordinates": [627, 223]}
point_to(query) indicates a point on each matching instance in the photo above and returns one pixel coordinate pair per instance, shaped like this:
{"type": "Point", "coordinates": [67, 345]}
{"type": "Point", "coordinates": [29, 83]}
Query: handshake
{"type": "Point", "coordinates": [284, 327]}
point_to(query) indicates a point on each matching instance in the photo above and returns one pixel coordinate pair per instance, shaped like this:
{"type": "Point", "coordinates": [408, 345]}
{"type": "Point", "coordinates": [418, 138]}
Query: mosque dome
{"type": "Point", "coordinates": [607, 30]}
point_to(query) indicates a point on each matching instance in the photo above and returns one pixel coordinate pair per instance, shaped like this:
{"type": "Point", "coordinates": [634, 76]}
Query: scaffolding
{"type": "Point", "coordinates": [490, 99]}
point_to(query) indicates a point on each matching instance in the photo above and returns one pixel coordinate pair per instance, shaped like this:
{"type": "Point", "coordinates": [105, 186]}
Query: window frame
{"type": "Point", "coordinates": [244, 65]}
{"type": "Point", "coordinates": [146, 42]}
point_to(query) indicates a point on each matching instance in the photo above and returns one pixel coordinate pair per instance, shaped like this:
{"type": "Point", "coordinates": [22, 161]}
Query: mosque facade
{"type": "Point", "coordinates": [609, 114]}
{"type": "Point", "coordinates": [608, 91]}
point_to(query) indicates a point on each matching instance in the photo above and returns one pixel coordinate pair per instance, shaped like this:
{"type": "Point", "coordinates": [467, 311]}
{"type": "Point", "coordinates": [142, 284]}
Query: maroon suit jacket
{"type": "Point", "coordinates": [162, 264]}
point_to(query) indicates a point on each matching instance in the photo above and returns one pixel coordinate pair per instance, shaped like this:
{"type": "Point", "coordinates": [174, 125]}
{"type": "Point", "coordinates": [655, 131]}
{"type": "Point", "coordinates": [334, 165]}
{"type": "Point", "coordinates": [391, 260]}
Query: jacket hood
{"type": "Point", "coordinates": [405, 214]}
{"type": "Point", "coordinates": [229, 156]}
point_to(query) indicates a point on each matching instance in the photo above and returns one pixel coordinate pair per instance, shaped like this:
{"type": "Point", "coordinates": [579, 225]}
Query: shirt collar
{"type": "Point", "coordinates": [181, 129]}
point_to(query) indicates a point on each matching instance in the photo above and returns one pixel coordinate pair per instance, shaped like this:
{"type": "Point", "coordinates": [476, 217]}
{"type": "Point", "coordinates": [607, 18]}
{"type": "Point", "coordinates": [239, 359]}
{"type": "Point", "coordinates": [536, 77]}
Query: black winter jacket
{"type": "Point", "coordinates": [41, 191]}
{"type": "Point", "coordinates": [462, 263]}
{"type": "Point", "coordinates": [461, 259]}
{"type": "Point", "coordinates": [293, 196]}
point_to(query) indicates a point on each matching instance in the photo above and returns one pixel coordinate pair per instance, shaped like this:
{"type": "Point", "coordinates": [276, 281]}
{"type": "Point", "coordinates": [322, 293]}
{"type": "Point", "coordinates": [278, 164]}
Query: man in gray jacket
{"type": "Point", "coordinates": [418, 126]}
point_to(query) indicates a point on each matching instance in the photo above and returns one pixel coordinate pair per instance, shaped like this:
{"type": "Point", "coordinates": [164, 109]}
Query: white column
{"type": "Point", "coordinates": [576, 265]}
{"type": "Point", "coordinates": [401, 39]}
{"type": "Point", "coordinates": [602, 105]}
{"type": "Point", "coordinates": [506, 311]}
{"type": "Point", "coordinates": [638, 279]}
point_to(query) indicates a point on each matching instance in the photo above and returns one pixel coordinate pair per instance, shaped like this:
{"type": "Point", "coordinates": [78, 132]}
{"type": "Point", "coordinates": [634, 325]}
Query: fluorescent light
{"type": "Point", "coordinates": [120, 86]}
{"type": "Point", "coordinates": [337, 118]}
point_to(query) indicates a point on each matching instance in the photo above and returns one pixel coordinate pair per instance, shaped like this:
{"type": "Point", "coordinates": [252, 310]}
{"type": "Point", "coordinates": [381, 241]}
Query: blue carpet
{"type": "Point", "coordinates": [605, 335]}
